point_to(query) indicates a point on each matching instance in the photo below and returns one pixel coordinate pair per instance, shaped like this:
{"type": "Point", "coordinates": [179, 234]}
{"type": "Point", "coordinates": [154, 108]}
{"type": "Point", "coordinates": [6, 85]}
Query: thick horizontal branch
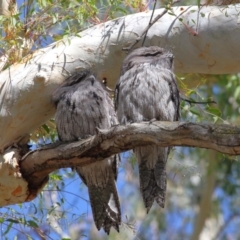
{"type": "Point", "coordinates": [36, 165]}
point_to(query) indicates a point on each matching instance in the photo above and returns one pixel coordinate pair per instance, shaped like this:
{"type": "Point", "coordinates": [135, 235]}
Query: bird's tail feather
{"type": "Point", "coordinates": [105, 206]}
{"type": "Point", "coordinates": [152, 174]}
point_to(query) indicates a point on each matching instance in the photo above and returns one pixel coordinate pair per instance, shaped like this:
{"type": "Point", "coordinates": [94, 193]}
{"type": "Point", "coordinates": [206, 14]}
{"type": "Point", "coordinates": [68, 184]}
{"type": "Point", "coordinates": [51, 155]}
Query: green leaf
{"type": "Point", "coordinates": [12, 220]}
{"type": "Point", "coordinates": [44, 3]}
{"type": "Point", "coordinates": [215, 118]}
{"type": "Point", "coordinates": [214, 111]}
{"type": "Point", "coordinates": [194, 112]}
{"type": "Point", "coordinates": [46, 128]}
{"type": "Point", "coordinates": [8, 228]}
{"type": "Point", "coordinates": [32, 224]}
{"type": "Point", "coordinates": [35, 209]}
{"type": "Point", "coordinates": [56, 177]}
{"type": "Point", "coordinates": [237, 93]}
{"type": "Point", "coordinates": [191, 91]}
{"type": "Point", "coordinates": [170, 13]}
{"type": "Point", "coordinates": [14, 21]}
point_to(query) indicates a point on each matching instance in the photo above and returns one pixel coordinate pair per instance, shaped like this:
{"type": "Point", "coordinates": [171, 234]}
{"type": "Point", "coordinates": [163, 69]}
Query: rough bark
{"type": "Point", "coordinates": [36, 165]}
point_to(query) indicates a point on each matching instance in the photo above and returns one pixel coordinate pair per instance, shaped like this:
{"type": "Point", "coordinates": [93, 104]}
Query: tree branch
{"type": "Point", "coordinates": [36, 165]}
{"type": "Point", "coordinates": [23, 180]}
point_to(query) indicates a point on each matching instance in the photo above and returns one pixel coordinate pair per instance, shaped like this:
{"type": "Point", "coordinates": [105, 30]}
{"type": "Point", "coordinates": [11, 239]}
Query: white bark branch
{"type": "Point", "coordinates": [26, 88]}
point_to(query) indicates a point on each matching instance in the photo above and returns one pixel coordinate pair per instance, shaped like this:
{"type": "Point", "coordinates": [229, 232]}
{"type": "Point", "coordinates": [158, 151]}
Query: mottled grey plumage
{"type": "Point", "coordinates": [82, 105]}
{"type": "Point", "coordinates": [147, 90]}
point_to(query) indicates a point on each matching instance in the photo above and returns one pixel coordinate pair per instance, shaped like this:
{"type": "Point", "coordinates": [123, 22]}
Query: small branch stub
{"type": "Point", "coordinates": [13, 188]}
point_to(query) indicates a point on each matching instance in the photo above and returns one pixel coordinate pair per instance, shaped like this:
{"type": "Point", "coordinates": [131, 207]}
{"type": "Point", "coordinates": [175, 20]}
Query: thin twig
{"type": "Point", "coordinates": [195, 102]}
{"type": "Point", "coordinates": [145, 35]}
{"type": "Point", "coordinates": [149, 26]}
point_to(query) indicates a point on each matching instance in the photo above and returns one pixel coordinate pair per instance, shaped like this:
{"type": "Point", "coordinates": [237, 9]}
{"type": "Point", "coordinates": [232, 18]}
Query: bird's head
{"type": "Point", "coordinates": [153, 55]}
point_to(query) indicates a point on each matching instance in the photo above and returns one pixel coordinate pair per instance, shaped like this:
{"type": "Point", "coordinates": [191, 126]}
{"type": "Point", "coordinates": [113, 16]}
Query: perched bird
{"type": "Point", "coordinates": [147, 90]}
{"type": "Point", "coordinates": [82, 105]}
